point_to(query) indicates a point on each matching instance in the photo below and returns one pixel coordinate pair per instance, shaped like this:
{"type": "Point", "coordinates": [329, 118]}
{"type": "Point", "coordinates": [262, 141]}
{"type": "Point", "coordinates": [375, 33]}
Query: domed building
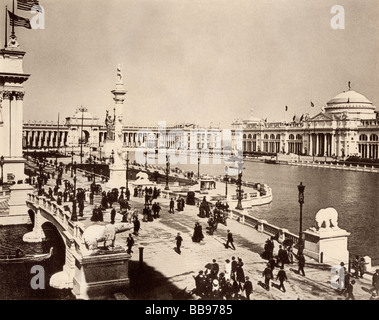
{"type": "Point", "coordinates": [348, 125]}
{"type": "Point", "coordinates": [352, 105]}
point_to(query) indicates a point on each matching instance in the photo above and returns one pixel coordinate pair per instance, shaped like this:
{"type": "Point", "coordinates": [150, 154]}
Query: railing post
{"type": "Point", "coordinates": [140, 257]}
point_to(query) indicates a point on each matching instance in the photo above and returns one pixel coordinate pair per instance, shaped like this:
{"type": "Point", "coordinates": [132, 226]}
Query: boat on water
{"type": "Point", "coordinates": [18, 257]}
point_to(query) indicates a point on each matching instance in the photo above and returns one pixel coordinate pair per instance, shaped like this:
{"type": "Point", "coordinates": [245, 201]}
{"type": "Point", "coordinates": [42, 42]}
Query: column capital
{"type": "Point", "coordinates": [19, 95]}
{"type": "Point", "coordinates": [7, 94]}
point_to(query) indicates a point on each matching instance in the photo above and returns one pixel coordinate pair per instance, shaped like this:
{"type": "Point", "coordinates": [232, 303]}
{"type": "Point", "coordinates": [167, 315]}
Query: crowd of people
{"type": "Point", "coordinates": [227, 282]}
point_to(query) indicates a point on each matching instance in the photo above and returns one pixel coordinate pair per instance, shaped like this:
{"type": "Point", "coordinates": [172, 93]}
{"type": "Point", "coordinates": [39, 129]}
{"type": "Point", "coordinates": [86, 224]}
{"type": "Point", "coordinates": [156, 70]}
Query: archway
{"type": "Point", "coordinates": [54, 239]}
{"type": "Point", "coordinates": [32, 216]}
{"type": "Point", "coordinates": [85, 137]}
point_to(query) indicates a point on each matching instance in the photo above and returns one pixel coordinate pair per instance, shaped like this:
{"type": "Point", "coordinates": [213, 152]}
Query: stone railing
{"type": "Point", "coordinates": [263, 226]}
{"type": "Point", "coordinates": [62, 216]}
{"type": "Point", "coordinates": [337, 166]}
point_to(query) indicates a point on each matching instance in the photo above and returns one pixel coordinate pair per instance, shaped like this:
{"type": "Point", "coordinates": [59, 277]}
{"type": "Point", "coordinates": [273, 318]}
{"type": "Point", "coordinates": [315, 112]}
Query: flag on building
{"type": "Point", "coordinates": [27, 5]}
{"type": "Point", "coordinates": [286, 108]}
{"type": "Point", "coordinates": [18, 21]}
{"type": "Point", "coordinates": [301, 118]}
{"type": "Point", "coordinates": [312, 104]}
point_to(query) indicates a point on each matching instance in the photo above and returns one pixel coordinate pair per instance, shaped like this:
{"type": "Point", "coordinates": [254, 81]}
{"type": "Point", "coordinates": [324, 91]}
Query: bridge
{"type": "Point", "coordinates": [89, 273]}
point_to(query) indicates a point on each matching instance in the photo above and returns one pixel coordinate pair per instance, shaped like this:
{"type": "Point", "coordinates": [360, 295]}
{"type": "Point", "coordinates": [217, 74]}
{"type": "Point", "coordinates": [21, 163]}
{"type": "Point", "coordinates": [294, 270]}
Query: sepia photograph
{"type": "Point", "coordinates": [207, 151]}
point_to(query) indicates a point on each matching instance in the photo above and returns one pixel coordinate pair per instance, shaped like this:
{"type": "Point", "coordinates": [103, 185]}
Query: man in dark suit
{"type": "Point", "coordinates": [248, 288]}
{"type": "Point", "coordinates": [301, 264]}
{"type": "Point", "coordinates": [172, 206]}
{"type": "Point", "coordinates": [179, 240]}
{"type": "Point", "coordinates": [230, 241]}
{"type": "Point", "coordinates": [375, 281]}
{"type": "Point", "coordinates": [282, 276]}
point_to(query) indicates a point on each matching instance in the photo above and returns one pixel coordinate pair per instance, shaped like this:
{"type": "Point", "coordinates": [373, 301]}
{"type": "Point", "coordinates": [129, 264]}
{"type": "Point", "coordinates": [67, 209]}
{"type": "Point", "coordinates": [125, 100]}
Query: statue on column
{"type": "Point", "coordinates": [110, 124]}
{"type": "Point", "coordinates": [119, 74]}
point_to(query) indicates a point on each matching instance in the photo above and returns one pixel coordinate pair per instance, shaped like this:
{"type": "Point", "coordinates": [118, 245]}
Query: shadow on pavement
{"type": "Point", "coordinates": [146, 283]}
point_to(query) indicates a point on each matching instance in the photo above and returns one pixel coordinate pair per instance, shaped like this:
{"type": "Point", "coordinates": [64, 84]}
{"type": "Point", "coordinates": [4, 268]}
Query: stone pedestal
{"type": "Point", "coordinates": [117, 177]}
{"type": "Point", "coordinates": [99, 275]}
{"type": "Point", "coordinates": [327, 245]}
{"type": "Point", "coordinates": [18, 211]}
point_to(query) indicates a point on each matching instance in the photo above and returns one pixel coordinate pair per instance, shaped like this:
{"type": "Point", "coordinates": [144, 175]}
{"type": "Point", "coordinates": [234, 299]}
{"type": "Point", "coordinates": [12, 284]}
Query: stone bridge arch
{"type": "Point", "coordinates": [86, 274]}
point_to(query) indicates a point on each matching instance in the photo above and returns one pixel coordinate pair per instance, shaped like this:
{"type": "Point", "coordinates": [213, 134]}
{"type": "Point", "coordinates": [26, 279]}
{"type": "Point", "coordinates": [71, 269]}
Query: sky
{"type": "Point", "coordinates": [207, 61]}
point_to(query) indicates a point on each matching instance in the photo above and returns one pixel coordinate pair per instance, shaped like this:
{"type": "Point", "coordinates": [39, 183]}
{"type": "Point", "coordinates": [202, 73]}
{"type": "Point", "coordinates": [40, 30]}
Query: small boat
{"type": "Point", "coordinates": [271, 161]}
{"type": "Point", "coordinates": [19, 258]}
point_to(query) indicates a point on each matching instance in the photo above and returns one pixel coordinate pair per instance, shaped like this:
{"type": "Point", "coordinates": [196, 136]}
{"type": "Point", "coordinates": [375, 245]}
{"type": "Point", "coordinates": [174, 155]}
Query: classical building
{"type": "Point", "coordinates": [347, 125]}
{"type": "Point", "coordinates": [85, 128]}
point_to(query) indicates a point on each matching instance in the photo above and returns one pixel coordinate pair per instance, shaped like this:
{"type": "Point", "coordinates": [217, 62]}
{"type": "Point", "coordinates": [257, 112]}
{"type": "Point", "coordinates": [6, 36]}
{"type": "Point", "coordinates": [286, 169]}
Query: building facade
{"type": "Point", "coordinates": [348, 125]}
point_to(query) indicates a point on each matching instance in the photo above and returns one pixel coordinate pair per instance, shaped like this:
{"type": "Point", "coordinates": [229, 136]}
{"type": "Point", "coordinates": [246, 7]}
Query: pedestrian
{"type": "Point", "coordinates": [113, 215]}
{"type": "Point", "coordinates": [356, 267]}
{"type": "Point", "coordinates": [282, 276]}
{"type": "Point", "coordinates": [91, 197]}
{"type": "Point", "coordinates": [234, 267]}
{"type": "Point", "coordinates": [172, 206]}
{"type": "Point", "coordinates": [214, 269]}
{"type": "Point", "coordinates": [199, 282]}
{"type": "Point", "coordinates": [81, 208]}
{"type": "Point", "coordinates": [301, 264]}
{"type": "Point", "coordinates": [129, 243]}
{"type": "Point", "coordinates": [267, 274]}
{"type": "Point", "coordinates": [362, 267]}
{"type": "Point", "coordinates": [179, 241]}
{"type": "Point", "coordinates": [229, 240]}
{"type": "Point", "coordinates": [290, 254]}
{"type": "Point", "coordinates": [228, 269]}
{"type": "Point", "coordinates": [375, 281]}
{"type": "Point", "coordinates": [137, 225]}
{"type": "Point", "coordinates": [95, 214]}
{"type": "Point", "coordinates": [240, 275]}
{"type": "Point", "coordinates": [282, 256]}
{"type": "Point", "coordinates": [349, 290]}
{"type": "Point", "coordinates": [248, 288]}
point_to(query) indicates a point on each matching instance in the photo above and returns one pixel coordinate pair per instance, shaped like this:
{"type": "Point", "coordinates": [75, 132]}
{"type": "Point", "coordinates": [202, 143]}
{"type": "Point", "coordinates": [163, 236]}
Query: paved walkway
{"type": "Point", "coordinates": [167, 269]}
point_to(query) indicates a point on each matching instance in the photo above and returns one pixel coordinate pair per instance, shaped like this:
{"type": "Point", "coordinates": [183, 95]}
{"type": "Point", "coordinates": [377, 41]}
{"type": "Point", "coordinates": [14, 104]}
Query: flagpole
{"type": "Point", "coordinates": [13, 20]}
{"type": "Point", "coordinates": [6, 26]}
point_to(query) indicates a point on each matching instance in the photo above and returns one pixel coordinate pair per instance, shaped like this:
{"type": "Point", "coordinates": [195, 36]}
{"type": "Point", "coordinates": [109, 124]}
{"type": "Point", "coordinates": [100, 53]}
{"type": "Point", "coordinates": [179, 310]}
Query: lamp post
{"type": "Point", "coordinates": [41, 166]}
{"type": "Point", "coordinates": [100, 154]}
{"type": "Point", "coordinates": [112, 156]}
{"type": "Point", "coordinates": [198, 167]}
{"type": "Point", "coordinates": [167, 171]}
{"type": "Point", "coordinates": [301, 188]}
{"type": "Point", "coordinates": [127, 171]}
{"type": "Point", "coordinates": [72, 163]}
{"type": "Point", "coordinates": [226, 183]}
{"type": "Point", "coordinates": [74, 216]}
{"type": "Point", "coordinates": [145, 154]}
{"type": "Point", "coordinates": [2, 170]}
{"type": "Point", "coordinates": [239, 187]}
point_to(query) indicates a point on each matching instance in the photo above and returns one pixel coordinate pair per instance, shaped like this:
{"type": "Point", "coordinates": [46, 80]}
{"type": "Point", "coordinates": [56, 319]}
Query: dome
{"type": "Point", "coordinates": [349, 96]}
{"type": "Point", "coordinates": [352, 104]}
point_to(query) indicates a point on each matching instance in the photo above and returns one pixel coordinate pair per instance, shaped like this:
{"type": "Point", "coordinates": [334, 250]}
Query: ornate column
{"type": "Point", "coordinates": [6, 114]}
{"type": "Point", "coordinates": [317, 144]}
{"type": "Point", "coordinates": [333, 144]}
